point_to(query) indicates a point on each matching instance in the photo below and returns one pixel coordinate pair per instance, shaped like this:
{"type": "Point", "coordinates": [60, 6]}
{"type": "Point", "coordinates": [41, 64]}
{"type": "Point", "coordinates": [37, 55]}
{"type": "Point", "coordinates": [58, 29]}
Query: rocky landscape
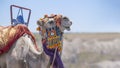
{"type": "Point", "coordinates": [90, 50]}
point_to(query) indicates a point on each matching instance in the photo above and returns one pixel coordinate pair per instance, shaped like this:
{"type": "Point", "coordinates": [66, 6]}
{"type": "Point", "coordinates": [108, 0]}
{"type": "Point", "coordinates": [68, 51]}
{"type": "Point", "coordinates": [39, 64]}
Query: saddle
{"type": "Point", "coordinates": [5, 34]}
{"type": "Point", "coordinates": [9, 34]}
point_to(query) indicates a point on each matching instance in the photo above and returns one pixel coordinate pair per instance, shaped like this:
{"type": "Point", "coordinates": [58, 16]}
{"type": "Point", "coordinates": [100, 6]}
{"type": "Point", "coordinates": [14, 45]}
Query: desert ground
{"type": "Point", "coordinates": [90, 50]}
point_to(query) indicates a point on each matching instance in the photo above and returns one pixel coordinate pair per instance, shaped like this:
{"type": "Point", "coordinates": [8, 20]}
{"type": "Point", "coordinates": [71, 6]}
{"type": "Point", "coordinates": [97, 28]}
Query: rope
{"type": "Point", "coordinates": [20, 10]}
{"type": "Point", "coordinates": [61, 46]}
{"type": "Point", "coordinates": [54, 56]}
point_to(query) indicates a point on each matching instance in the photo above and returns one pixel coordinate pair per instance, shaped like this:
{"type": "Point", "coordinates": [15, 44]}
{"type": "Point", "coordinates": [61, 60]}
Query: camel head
{"type": "Point", "coordinates": [60, 21]}
{"type": "Point", "coordinates": [65, 23]}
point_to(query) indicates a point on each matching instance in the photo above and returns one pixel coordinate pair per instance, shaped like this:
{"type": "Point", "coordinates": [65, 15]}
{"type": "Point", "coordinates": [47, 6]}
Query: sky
{"type": "Point", "coordinates": [86, 15]}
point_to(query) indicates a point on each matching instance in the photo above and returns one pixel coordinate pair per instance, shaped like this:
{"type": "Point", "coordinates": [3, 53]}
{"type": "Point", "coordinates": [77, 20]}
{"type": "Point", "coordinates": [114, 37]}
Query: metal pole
{"type": "Point", "coordinates": [11, 14]}
{"type": "Point", "coordinates": [11, 10]}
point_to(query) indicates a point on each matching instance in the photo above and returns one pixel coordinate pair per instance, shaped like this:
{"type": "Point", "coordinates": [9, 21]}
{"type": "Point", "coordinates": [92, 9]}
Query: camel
{"type": "Point", "coordinates": [23, 53]}
{"type": "Point", "coordinates": [51, 28]}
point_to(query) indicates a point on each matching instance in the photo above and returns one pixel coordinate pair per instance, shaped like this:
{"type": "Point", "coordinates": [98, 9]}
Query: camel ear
{"type": "Point", "coordinates": [65, 17]}
{"type": "Point", "coordinates": [39, 22]}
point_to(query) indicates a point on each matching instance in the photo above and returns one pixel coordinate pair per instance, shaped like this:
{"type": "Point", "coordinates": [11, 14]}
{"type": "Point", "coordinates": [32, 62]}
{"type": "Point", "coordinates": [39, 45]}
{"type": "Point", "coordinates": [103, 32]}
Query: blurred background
{"type": "Point", "coordinates": [94, 39]}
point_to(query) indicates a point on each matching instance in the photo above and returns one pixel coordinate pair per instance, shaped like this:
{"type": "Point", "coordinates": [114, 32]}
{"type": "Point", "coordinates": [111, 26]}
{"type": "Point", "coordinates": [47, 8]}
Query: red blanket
{"type": "Point", "coordinates": [9, 35]}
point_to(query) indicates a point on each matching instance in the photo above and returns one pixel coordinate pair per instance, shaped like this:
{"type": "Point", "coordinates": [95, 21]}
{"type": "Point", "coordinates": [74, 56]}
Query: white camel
{"type": "Point", "coordinates": [22, 54]}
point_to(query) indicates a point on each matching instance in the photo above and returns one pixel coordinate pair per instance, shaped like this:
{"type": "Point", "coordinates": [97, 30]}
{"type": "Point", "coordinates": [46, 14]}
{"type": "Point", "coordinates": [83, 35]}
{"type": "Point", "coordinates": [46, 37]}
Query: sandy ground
{"type": "Point", "coordinates": [91, 50]}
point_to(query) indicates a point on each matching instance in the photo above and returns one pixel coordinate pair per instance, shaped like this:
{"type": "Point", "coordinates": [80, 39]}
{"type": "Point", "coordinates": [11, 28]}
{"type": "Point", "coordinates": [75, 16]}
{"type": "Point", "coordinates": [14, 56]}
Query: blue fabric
{"type": "Point", "coordinates": [15, 21]}
{"type": "Point", "coordinates": [20, 19]}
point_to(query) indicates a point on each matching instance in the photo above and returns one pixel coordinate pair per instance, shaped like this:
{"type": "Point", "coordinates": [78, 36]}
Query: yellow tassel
{"type": "Point", "coordinates": [38, 29]}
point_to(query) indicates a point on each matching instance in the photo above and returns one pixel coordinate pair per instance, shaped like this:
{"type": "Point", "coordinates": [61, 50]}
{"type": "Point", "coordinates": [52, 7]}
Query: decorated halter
{"type": "Point", "coordinates": [50, 30]}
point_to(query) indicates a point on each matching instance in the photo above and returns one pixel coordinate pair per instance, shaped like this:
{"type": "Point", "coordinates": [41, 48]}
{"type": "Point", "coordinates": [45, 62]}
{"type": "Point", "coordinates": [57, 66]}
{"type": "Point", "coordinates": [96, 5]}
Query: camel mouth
{"type": "Point", "coordinates": [68, 28]}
